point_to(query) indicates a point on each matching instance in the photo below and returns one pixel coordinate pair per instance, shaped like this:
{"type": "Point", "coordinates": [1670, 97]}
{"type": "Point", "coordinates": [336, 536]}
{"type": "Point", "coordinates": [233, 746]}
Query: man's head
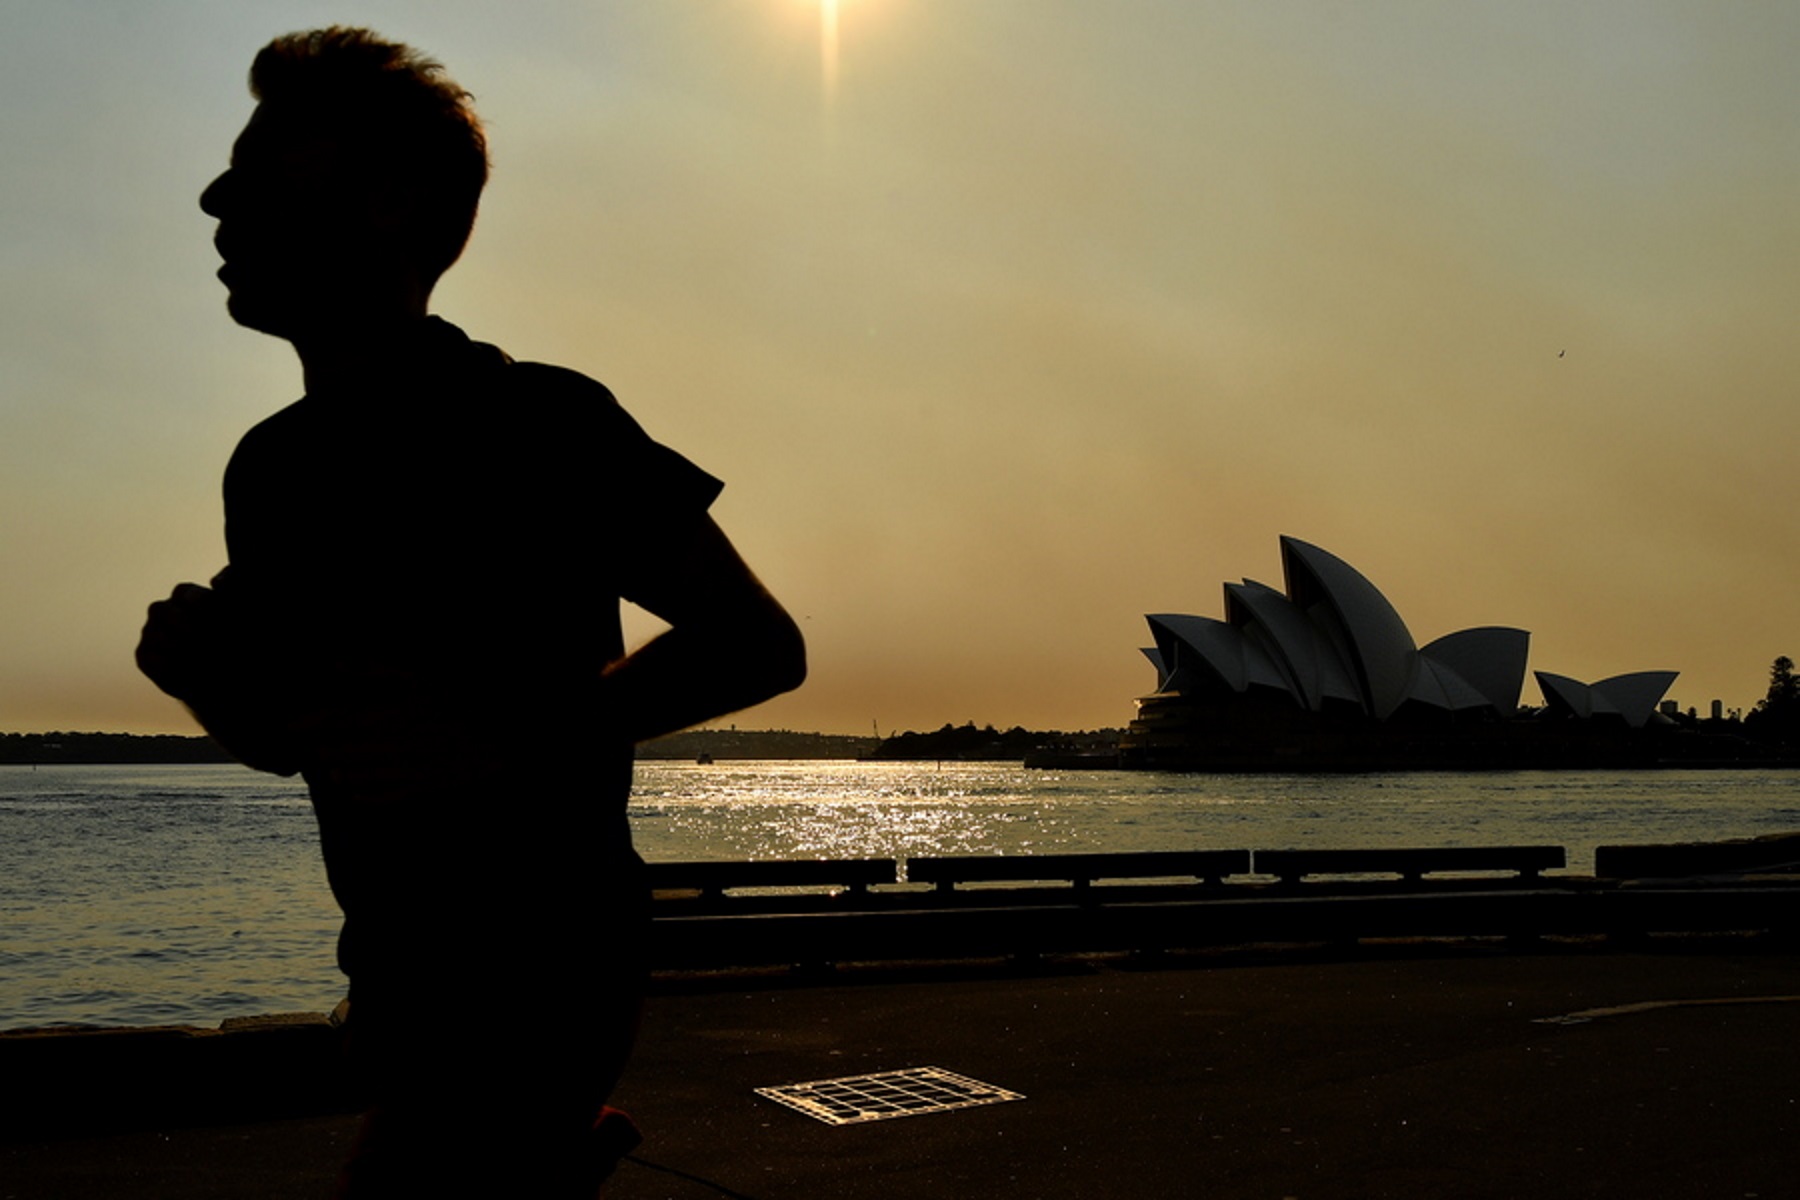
{"type": "Point", "coordinates": [357, 177]}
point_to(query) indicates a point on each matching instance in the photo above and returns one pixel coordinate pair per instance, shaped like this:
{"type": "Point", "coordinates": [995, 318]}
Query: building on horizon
{"type": "Point", "coordinates": [1326, 676]}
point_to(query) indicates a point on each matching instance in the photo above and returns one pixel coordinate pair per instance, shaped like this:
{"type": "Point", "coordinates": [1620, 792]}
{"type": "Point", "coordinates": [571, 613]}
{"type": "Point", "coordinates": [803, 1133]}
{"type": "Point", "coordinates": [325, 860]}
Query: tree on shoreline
{"type": "Point", "coordinates": [1784, 685]}
{"type": "Point", "coordinates": [1776, 717]}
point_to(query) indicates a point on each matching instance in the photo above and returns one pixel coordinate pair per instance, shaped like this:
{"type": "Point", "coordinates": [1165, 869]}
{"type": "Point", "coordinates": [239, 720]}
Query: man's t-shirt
{"type": "Point", "coordinates": [443, 559]}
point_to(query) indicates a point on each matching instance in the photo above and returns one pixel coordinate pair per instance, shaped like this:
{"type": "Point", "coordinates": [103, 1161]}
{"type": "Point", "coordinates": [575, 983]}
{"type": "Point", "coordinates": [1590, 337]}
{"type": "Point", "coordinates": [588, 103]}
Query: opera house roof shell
{"type": "Point", "coordinates": [1332, 643]}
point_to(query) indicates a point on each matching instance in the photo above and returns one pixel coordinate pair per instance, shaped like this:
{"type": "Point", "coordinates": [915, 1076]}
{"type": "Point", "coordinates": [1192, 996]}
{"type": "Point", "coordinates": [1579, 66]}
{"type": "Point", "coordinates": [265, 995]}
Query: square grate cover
{"type": "Point", "coordinates": [886, 1094]}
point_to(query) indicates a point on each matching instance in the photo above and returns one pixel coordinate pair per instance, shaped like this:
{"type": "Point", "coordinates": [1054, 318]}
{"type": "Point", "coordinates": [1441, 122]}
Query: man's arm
{"type": "Point", "coordinates": [187, 651]}
{"type": "Point", "coordinates": [730, 643]}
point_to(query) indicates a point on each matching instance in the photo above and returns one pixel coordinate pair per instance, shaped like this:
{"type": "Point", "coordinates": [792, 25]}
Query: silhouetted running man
{"type": "Point", "coordinates": [420, 615]}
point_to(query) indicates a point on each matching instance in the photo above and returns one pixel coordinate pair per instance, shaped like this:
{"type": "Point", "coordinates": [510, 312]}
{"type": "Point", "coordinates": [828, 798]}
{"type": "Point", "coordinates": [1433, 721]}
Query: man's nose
{"type": "Point", "coordinates": [217, 194]}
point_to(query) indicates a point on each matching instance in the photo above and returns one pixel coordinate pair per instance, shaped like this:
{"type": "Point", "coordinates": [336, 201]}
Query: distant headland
{"type": "Point", "coordinates": [46, 749]}
{"type": "Point", "coordinates": [950, 743]}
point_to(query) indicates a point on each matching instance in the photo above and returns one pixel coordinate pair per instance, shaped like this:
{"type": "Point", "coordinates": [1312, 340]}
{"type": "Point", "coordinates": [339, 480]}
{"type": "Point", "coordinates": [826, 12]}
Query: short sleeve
{"type": "Point", "coordinates": [631, 473]}
{"type": "Point", "coordinates": [663, 480]}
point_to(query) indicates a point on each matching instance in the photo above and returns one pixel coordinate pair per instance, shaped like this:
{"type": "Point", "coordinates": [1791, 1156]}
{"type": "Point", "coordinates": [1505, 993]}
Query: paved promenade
{"type": "Point", "coordinates": [1406, 1076]}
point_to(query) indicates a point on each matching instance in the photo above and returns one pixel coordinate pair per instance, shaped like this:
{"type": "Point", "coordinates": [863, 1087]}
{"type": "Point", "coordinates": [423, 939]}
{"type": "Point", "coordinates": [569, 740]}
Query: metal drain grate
{"type": "Point", "coordinates": [886, 1094]}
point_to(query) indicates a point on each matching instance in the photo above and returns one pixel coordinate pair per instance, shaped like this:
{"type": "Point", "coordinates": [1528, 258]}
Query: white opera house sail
{"type": "Point", "coordinates": [1326, 676]}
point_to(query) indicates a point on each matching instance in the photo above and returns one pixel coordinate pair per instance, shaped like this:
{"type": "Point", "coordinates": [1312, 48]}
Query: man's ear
{"type": "Point", "coordinates": [392, 207]}
{"type": "Point", "coordinates": [399, 222]}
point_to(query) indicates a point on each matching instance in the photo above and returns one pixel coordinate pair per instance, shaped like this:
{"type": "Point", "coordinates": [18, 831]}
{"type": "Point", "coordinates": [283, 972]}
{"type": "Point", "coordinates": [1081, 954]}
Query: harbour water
{"type": "Point", "coordinates": [188, 894]}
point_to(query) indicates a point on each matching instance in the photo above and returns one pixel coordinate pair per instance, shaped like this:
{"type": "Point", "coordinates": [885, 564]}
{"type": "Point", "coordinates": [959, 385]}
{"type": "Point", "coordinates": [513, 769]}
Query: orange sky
{"type": "Point", "coordinates": [1060, 315]}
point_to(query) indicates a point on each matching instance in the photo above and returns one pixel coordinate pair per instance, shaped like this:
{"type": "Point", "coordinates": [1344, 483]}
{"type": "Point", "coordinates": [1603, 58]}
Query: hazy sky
{"type": "Point", "coordinates": [1058, 313]}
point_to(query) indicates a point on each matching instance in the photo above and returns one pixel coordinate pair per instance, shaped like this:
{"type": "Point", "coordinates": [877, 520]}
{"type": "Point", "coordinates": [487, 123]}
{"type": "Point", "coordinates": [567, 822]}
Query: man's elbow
{"type": "Point", "coordinates": [781, 655]}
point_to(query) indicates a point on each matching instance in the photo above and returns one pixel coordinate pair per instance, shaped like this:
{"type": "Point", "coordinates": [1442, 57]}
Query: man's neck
{"type": "Point", "coordinates": [369, 353]}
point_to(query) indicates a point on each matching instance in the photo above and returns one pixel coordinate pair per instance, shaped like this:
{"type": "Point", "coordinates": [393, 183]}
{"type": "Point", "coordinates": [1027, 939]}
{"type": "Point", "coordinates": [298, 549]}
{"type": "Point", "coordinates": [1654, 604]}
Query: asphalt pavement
{"type": "Point", "coordinates": [1416, 1073]}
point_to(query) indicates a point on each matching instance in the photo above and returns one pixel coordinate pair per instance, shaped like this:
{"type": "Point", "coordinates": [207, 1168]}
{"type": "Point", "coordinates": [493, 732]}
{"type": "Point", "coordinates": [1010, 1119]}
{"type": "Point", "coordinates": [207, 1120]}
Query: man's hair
{"type": "Point", "coordinates": [395, 113]}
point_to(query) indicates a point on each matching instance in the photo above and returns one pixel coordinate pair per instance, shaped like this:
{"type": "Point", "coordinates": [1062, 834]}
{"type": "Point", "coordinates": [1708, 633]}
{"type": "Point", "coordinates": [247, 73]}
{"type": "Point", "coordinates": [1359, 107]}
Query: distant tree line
{"type": "Point", "coordinates": [109, 748]}
{"type": "Point", "coordinates": [51, 748]}
{"type": "Point", "coordinates": [966, 743]}
{"type": "Point", "coordinates": [755, 743]}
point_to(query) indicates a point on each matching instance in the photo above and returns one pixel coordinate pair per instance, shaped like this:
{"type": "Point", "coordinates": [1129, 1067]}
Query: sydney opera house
{"type": "Point", "coordinates": [1326, 676]}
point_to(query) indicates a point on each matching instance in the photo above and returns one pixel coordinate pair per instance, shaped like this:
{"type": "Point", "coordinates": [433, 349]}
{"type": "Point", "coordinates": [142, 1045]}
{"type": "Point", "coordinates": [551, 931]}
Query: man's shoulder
{"type": "Point", "coordinates": [548, 384]}
{"type": "Point", "coordinates": [553, 380]}
{"type": "Point", "coordinates": [541, 399]}
{"type": "Point", "coordinates": [272, 430]}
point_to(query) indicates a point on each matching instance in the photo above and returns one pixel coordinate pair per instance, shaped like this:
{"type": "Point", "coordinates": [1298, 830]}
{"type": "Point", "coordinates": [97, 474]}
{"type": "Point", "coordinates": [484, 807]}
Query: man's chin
{"type": "Point", "coordinates": [263, 318]}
